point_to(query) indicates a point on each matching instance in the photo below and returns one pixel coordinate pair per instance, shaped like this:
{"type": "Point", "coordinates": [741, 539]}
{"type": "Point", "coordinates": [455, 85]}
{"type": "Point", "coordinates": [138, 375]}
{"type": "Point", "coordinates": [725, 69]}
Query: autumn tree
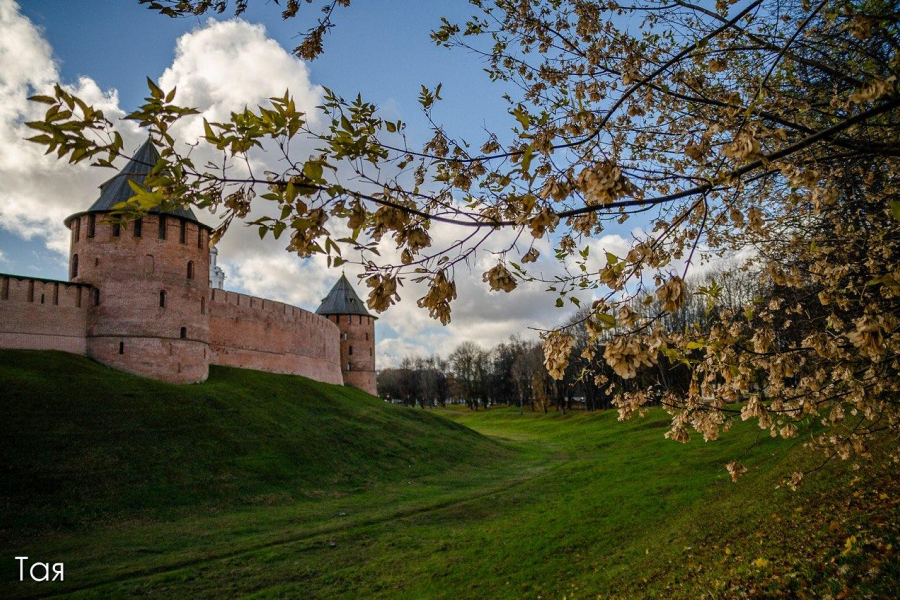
{"type": "Point", "coordinates": [765, 127]}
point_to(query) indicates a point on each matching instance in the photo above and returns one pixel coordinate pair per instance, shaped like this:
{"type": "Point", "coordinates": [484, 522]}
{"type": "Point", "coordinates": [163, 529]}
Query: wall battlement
{"type": "Point", "coordinates": [273, 307]}
{"type": "Point", "coordinates": [44, 314]}
{"type": "Point", "coordinates": [256, 333]}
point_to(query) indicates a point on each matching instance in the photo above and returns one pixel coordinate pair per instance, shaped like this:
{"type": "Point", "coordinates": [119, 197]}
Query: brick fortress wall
{"type": "Point", "coordinates": [40, 314]}
{"type": "Point", "coordinates": [254, 333]}
{"type": "Point", "coordinates": [139, 300]}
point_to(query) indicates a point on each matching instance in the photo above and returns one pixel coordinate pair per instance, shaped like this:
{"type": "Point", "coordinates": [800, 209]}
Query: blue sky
{"type": "Point", "coordinates": [106, 49]}
{"type": "Point", "coordinates": [380, 49]}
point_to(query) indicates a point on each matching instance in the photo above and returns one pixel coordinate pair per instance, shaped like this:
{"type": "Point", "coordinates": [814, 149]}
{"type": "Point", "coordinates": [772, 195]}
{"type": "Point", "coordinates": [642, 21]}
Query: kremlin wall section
{"type": "Point", "coordinates": [139, 300]}
{"type": "Point", "coordinates": [253, 333]}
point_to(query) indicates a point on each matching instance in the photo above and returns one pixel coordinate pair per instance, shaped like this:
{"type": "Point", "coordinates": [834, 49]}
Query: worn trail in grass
{"type": "Point", "coordinates": [386, 502]}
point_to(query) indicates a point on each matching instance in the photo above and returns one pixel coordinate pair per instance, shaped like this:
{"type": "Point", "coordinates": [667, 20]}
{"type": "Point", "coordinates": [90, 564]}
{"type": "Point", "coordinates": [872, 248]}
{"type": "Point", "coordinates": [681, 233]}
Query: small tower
{"type": "Point", "coordinates": [149, 310]}
{"type": "Point", "coordinates": [343, 307]}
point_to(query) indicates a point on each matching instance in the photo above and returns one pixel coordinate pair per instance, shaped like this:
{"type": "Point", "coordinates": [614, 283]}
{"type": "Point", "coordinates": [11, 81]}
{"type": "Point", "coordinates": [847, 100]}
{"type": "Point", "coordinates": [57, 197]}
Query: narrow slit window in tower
{"type": "Point", "coordinates": [183, 333]}
{"type": "Point", "coordinates": [162, 298]}
{"type": "Point", "coordinates": [74, 266]}
{"type": "Point", "coordinates": [117, 229]}
{"type": "Point", "coordinates": [137, 227]}
{"type": "Point", "coordinates": [96, 297]}
{"type": "Point", "coordinates": [78, 229]}
{"type": "Point", "coordinates": [190, 269]}
{"type": "Point", "coordinates": [121, 347]}
{"type": "Point", "coordinates": [162, 227]}
{"type": "Point", "coordinates": [350, 351]}
{"type": "Point", "coordinates": [92, 224]}
{"type": "Point", "coordinates": [182, 236]}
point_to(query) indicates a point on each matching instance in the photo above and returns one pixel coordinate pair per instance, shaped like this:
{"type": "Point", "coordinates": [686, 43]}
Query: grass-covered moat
{"type": "Point", "coordinates": [267, 486]}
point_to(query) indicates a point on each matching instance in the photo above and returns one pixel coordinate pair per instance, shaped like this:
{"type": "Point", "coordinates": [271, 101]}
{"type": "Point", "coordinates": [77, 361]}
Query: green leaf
{"type": "Point", "coordinates": [608, 320]}
{"type": "Point", "coordinates": [526, 158]}
{"type": "Point", "coordinates": [895, 209]}
{"type": "Point", "coordinates": [210, 135]}
{"type": "Point", "coordinates": [154, 89]}
{"type": "Point", "coordinates": [42, 99]}
{"type": "Point", "coordinates": [313, 170]}
{"type": "Point", "coordinates": [390, 127]}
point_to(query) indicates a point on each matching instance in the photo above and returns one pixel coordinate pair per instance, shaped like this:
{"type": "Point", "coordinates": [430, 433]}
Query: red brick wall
{"type": "Point", "coordinates": [111, 311]}
{"type": "Point", "coordinates": [357, 350]}
{"type": "Point", "coordinates": [43, 315]}
{"type": "Point", "coordinates": [128, 329]}
{"type": "Point", "coordinates": [253, 333]}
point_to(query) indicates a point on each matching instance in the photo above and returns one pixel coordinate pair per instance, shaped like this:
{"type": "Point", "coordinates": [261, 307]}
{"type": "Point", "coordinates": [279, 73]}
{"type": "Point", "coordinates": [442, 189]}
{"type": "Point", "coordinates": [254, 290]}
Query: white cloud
{"type": "Point", "coordinates": [39, 191]}
{"type": "Point", "coordinates": [228, 65]}
{"type": "Point", "coordinates": [219, 68]}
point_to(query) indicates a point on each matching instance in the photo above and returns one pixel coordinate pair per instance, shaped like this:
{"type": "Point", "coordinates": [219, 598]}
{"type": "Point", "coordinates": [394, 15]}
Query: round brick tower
{"type": "Point", "coordinates": [149, 310]}
{"type": "Point", "coordinates": [343, 307]}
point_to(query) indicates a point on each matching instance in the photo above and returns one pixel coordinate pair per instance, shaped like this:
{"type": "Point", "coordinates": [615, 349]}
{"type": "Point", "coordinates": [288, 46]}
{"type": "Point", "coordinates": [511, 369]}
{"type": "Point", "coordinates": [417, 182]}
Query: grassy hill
{"type": "Point", "coordinates": [115, 446]}
{"type": "Point", "coordinates": [263, 486]}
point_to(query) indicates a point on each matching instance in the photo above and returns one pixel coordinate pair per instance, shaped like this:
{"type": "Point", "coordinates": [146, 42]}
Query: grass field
{"type": "Point", "coordinates": [265, 486]}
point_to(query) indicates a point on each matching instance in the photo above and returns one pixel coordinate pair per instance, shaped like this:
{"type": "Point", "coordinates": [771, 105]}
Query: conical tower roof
{"type": "Point", "coordinates": [116, 189]}
{"type": "Point", "coordinates": [342, 300]}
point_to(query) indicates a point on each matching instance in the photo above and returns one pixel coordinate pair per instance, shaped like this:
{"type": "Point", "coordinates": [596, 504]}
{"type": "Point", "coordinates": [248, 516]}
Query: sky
{"type": "Point", "coordinates": [105, 49]}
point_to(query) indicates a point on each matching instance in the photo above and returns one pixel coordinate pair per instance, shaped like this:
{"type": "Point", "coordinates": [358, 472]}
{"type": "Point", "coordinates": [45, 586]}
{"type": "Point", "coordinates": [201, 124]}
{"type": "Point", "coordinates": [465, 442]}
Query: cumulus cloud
{"type": "Point", "coordinates": [39, 191]}
{"type": "Point", "coordinates": [228, 65]}
{"type": "Point", "coordinates": [218, 68]}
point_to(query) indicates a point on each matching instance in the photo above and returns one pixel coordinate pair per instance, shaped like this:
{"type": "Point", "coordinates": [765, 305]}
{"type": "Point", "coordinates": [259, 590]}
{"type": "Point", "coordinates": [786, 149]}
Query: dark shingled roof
{"type": "Point", "coordinates": [116, 189]}
{"type": "Point", "coordinates": [342, 300]}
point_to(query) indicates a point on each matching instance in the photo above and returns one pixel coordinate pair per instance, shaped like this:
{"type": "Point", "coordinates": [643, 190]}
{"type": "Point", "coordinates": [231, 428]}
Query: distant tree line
{"type": "Point", "coordinates": [513, 372]}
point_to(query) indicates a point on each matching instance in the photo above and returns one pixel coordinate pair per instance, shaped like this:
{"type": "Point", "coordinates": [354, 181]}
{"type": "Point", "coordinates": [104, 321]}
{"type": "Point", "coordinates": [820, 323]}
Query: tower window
{"type": "Point", "coordinates": [370, 352]}
{"type": "Point", "coordinates": [162, 298]}
{"type": "Point", "coordinates": [74, 266]}
{"type": "Point", "coordinates": [121, 347]}
{"type": "Point", "coordinates": [137, 227]}
{"type": "Point", "coordinates": [367, 336]}
{"type": "Point", "coordinates": [92, 225]}
{"type": "Point", "coordinates": [190, 269]}
{"type": "Point", "coordinates": [117, 229]}
{"type": "Point", "coordinates": [183, 333]}
{"type": "Point", "coordinates": [182, 236]}
{"type": "Point", "coordinates": [199, 237]}
{"type": "Point", "coordinates": [350, 351]}
{"type": "Point", "coordinates": [42, 298]}
{"type": "Point", "coordinates": [96, 297]}
{"type": "Point", "coordinates": [78, 229]}
{"type": "Point", "coordinates": [162, 227]}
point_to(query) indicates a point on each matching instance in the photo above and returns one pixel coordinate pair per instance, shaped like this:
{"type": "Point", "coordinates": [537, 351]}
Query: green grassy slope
{"type": "Point", "coordinates": [412, 505]}
{"type": "Point", "coordinates": [115, 446]}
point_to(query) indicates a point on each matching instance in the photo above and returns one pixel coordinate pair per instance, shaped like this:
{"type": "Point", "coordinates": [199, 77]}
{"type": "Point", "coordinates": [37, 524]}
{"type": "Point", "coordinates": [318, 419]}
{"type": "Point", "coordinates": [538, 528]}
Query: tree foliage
{"type": "Point", "coordinates": [767, 127]}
